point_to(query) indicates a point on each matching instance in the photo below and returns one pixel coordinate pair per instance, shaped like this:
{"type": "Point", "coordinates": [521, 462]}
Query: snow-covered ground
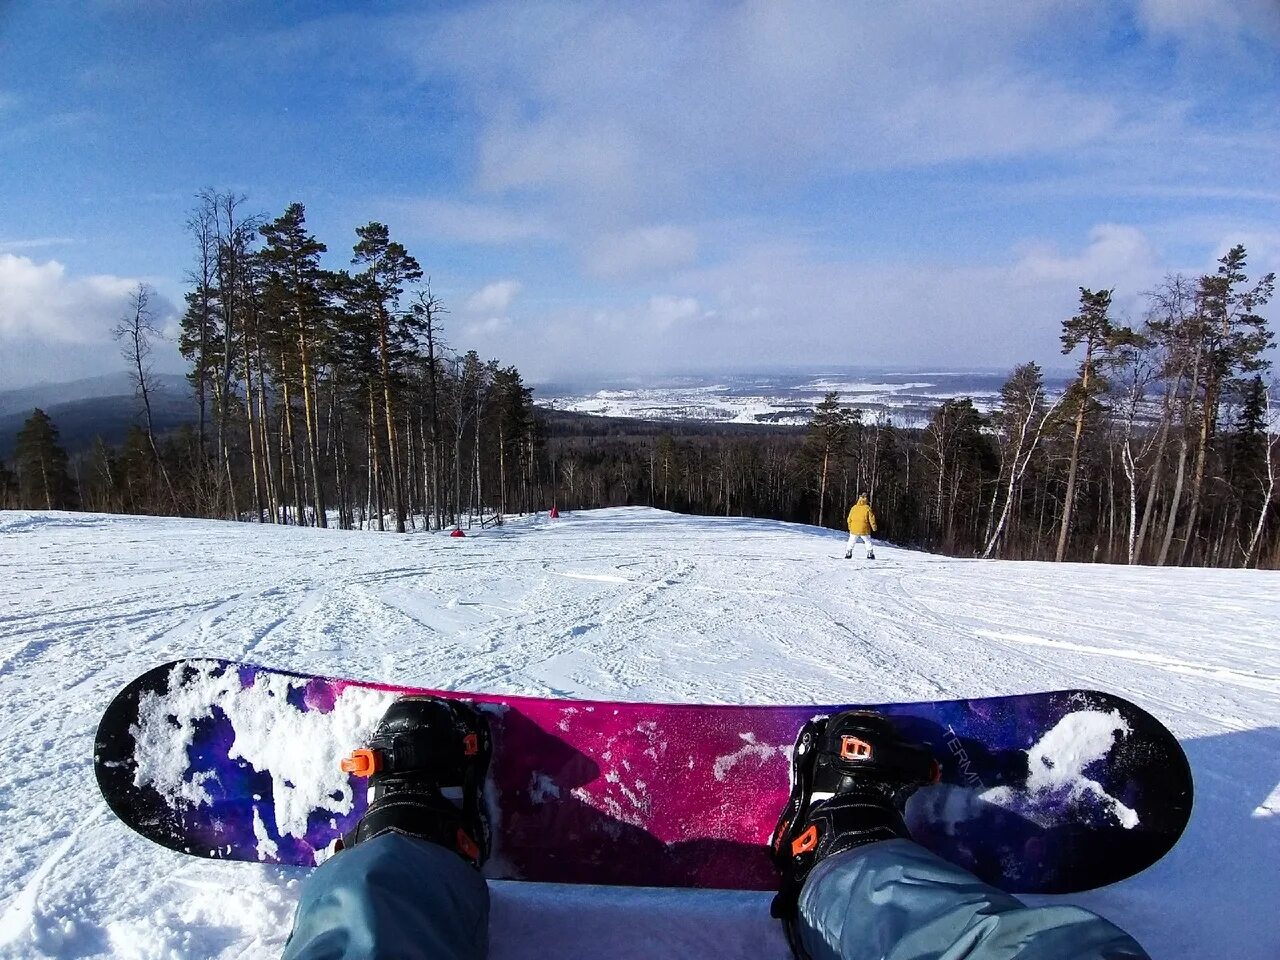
{"type": "Point", "coordinates": [625, 604]}
{"type": "Point", "coordinates": [906, 399]}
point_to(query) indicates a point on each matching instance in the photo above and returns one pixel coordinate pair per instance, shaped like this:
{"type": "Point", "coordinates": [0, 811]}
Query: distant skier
{"type": "Point", "coordinates": [852, 884]}
{"type": "Point", "coordinates": [862, 523]}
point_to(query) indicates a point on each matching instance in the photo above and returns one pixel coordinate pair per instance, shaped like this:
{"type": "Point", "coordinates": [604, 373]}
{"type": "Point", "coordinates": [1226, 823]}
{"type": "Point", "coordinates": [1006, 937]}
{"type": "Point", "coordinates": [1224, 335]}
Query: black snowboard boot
{"type": "Point", "coordinates": [423, 748]}
{"type": "Point", "coordinates": [850, 775]}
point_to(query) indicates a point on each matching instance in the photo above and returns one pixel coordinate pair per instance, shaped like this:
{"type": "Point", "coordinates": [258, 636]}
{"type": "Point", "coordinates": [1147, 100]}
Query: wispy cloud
{"type": "Point", "coordinates": [644, 250]}
{"type": "Point", "coordinates": [35, 130]}
{"type": "Point", "coordinates": [782, 300]}
{"type": "Point", "coordinates": [685, 182]}
{"type": "Point", "coordinates": [43, 302]}
{"type": "Point", "coordinates": [768, 90]}
{"type": "Point", "coordinates": [1243, 23]}
{"type": "Point", "coordinates": [494, 297]}
{"type": "Point", "coordinates": [463, 221]}
{"type": "Point", "coordinates": [35, 243]}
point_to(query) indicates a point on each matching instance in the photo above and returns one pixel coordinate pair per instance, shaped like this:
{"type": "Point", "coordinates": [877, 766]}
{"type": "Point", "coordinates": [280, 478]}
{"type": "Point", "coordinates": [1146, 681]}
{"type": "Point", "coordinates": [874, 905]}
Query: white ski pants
{"type": "Point", "coordinates": [865, 538]}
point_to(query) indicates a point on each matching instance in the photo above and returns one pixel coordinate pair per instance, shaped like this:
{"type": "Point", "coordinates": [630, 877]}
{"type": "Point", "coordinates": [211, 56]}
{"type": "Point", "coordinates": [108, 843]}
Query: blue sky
{"type": "Point", "coordinates": [615, 189]}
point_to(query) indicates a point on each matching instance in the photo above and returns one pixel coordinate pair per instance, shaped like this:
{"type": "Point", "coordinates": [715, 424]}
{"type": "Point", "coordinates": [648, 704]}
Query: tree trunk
{"type": "Point", "coordinates": [1209, 415]}
{"type": "Point", "coordinates": [822, 486]}
{"type": "Point", "coordinates": [273, 492]}
{"type": "Point", "coordinates": [288, 438]}
{"type": "Point", "coordinates": [1069, 496]}
{"type": "Point", "coordinates": [251, 426]}
{"type": "Point", "coordinates": [1153, 484]}
{"type": "Point", "coordinates": [375, 466]}
{"type": "Point", "coordinates": [312, 426]}
{"type": "Point", "coordinates": [393, 453]}
{"type": "Point", "coordinates": [1268, 488]}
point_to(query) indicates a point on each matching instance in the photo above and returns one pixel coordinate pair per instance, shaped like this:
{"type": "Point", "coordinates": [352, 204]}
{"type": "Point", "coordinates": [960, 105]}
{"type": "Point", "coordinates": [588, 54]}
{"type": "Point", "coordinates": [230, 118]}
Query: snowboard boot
{"type": "Point", "coordinates": [850, 776]}
{"type": "Point", "coordinates": [424, 748]}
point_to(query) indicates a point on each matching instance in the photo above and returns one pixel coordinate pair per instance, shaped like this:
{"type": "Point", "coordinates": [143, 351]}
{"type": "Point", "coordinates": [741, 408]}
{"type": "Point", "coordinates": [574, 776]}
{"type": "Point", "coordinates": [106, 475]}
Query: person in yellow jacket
{"type": "Point", "coordinates": [862, 523]}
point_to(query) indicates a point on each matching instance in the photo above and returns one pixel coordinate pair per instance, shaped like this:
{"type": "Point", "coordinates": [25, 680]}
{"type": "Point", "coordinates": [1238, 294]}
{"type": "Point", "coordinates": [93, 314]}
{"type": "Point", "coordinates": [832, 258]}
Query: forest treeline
{"type": "Point", "coordinates": [325, 396]}
{"type": "Point", "coordinates": [331, 397]}
{"type": "Point", "coordinates": [1162, 450]}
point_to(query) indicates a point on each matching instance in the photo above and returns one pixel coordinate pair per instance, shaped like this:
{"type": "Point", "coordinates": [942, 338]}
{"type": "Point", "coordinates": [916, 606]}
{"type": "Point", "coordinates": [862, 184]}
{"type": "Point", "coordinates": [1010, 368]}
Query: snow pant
{"type": "Point", "coordinates": [393, 896]}
{"type": "Point", "coordinates": [865, 538]}
{"type": "Point", "coordinates": [893, 900]}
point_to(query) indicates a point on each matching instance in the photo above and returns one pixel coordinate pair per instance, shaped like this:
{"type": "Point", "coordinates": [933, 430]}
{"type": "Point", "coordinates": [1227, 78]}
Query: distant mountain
{"type": "Point", "coordinates": [105, 407]}
{"type": "Point", "coordinates": [46, 395]}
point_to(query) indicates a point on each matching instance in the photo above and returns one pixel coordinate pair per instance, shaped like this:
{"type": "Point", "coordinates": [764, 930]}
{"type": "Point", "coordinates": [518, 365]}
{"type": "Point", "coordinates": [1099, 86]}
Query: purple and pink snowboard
{"type": "Point", "coordinates": [1044, 792]}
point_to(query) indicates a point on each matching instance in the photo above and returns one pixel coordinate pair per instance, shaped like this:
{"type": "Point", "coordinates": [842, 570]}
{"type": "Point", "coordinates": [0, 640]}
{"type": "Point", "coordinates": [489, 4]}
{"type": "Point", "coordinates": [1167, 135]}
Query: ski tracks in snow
{"type": "Point", "coordinates": [628, 604]}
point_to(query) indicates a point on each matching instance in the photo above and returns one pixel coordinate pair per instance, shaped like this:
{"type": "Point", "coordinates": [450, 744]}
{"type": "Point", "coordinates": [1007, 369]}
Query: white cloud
{"type": "Point", "coordinates": [466, 222]}
{"type": "Point", "coordinates": [34, 243]}
{"type": "Point", "coordinates": [1117, 255]}
{"type": "Point", "coordinates": [1200, 21]}
{"type": "Point", "coordinates": [485, 334]}
{"type": "Point", "coordinates": [666, 312]}
{"type": "Point", "coordinates": [611, 106]}
{"type": "Point", "coordinates": [495, 297]}
{"type": "Point", "coordinates": [604, 127]}
{"type": "Point", "coordinates": [642, 250]}
{"type": "Point", "coordinates": [40, 301]}
{"type": "Point", "coordinates": [786, 302]}
{"type": "Point", "coordinates": [56, 327]}
{"type": "Point", "coordinates": [486, 324]}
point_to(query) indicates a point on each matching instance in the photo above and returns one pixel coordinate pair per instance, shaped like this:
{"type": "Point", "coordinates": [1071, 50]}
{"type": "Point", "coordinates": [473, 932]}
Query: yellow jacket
{"type": "Point", "coordinates": [861, 520]}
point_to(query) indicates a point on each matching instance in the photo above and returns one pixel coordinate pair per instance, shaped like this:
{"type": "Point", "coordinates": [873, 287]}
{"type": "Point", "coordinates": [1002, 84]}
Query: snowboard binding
{"type": "Point", "coordinates": [423, 748]}
{"type": "Point", "coordinates": [850, 775]}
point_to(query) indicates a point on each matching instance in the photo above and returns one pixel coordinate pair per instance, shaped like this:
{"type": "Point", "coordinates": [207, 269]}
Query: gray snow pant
{"type": "Point", "coordinates": [894, 900]}
{"type": "Point", "coordinates": [394, 897]}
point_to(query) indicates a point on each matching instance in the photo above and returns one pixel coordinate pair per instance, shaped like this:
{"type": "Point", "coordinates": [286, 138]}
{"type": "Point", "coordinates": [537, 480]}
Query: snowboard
{"type": "Point", "coordinates": [1039, 793]}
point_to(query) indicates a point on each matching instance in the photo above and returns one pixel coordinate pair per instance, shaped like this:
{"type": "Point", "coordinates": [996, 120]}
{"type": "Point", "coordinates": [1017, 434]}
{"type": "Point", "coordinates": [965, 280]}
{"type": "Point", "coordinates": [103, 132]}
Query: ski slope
{"type": "Point", "coordinates": [629, 604]}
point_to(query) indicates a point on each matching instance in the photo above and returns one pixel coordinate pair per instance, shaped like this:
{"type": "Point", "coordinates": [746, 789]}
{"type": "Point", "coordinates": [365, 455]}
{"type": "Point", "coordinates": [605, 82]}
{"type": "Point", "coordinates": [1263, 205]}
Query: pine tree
{"type": "Point", "coordinates": [513, 418]}
{"type": "Point", "coordinates": [388, 267]}
{"type": "Point", "coordinates": [297, 288]}
{"type": "Point", "coordinates": [354, 353]}
{"type": "Point", "coordinates": [428, 310]}
{"type": "Point", "coordinates": [1092, 328]}
{"type": "Point", "coordinates": [1235, 339]}
{"type": "Point", "coordinates": [41, 463]}
{"type": "Point", "coordinates": [828, 441]}
{"type": "Point", "coordinates": [1254, 469]}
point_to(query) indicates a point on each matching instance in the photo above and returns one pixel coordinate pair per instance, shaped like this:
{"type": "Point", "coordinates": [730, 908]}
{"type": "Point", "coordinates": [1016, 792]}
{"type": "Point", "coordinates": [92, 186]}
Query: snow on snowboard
{"type": "Point", "coordinates": [1044, 792]}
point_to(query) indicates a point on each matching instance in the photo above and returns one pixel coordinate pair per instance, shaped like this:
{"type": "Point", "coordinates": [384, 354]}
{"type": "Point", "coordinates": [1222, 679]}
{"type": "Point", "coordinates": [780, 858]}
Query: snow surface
{"type": "Point", "coordinates": [906, 400]}
{"type": "Point", "coordinates": [625, 604]}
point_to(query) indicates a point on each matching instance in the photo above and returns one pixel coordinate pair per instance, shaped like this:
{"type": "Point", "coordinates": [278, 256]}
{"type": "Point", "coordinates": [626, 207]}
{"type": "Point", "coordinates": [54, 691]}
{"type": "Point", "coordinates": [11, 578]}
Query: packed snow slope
{"type": "Point", "coordinates": [630, 604]}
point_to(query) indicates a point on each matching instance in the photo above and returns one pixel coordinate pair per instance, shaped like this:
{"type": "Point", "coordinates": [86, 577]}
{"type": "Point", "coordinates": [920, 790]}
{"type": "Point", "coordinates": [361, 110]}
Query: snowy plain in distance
{"type": "Point", "coordinates": [627, 604]}
{"type": "Point", "coordinates": [781, 399]}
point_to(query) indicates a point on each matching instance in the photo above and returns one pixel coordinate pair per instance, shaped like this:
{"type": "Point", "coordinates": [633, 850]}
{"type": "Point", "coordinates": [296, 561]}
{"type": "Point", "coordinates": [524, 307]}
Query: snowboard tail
{"type": "Point", "coordinates": [1046, 793]}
